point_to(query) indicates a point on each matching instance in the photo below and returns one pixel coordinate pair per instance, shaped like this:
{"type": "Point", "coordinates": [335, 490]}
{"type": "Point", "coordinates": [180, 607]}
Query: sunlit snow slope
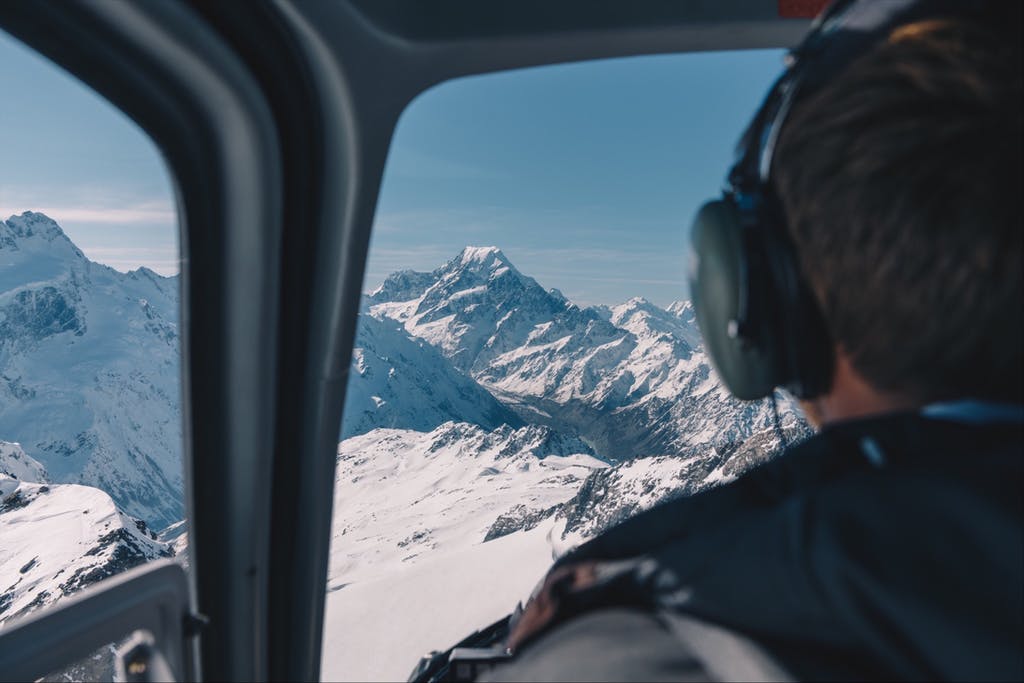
{"type": "Point", "coordinates": [400, 381]}
{"type": "Point", "coordinates": [403, 496]}
{"type": "Point", "coordinates": [438, 534]}
{"type": "Point", "coordinates": [376, 630]}
{"type": "Point", "coordinates": [410, 569]}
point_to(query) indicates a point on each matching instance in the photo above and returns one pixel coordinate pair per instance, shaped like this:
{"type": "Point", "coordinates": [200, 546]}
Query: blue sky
{"type": "Point", "coordinates": [66, 152]}
{"type": "Point", "coordinates": [586, 175]}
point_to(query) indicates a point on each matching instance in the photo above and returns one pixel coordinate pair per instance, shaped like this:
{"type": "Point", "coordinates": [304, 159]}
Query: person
{"type": "Point", "coordinates": [888, 545]}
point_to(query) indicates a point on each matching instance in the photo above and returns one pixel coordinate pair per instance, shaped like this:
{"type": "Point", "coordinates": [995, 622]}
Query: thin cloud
{"type": "Point", "coordinates": [452, 221]}
{"type": "Point", "coordinates": [146, 230]}
{"type": "Point", "coordinates": [627, 280]}
{"type": "Point", "coordinates": [143, 213]}
{"type": "Point", "coordinates": [165, 268]}
{"type": "Point", "coordinates": [163, 260]}
{"type": "Point", "coordinates": [407, 162]}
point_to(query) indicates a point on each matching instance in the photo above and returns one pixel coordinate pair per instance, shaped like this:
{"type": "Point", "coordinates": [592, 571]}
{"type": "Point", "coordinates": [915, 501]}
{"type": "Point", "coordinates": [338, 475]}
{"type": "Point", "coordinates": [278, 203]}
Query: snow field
{"type": "Point", "coordinates": [376, 630]}
{"type": "Point", "coordinates": [401, 496]}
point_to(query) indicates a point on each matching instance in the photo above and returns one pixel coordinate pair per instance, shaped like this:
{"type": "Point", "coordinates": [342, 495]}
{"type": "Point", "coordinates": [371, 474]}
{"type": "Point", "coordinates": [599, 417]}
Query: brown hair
{"type": "Point", "coordinates": [901, 185]}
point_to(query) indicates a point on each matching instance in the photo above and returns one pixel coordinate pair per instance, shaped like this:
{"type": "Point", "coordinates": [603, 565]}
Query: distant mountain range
{"type": "Point", "coordinates": [631, 380]}
{"type": "Point", "coordinates": [479, 405]}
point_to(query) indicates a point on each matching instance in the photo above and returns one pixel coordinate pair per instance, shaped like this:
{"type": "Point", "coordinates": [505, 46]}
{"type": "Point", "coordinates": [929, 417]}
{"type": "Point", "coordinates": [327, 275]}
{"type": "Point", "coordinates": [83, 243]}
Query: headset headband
{"type": "Point", "coordinates": [844, 31]}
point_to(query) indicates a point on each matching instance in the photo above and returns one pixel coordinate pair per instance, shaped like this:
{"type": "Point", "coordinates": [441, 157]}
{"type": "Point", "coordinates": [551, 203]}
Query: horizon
{"type": "Point", "coordinates": [366, 291]}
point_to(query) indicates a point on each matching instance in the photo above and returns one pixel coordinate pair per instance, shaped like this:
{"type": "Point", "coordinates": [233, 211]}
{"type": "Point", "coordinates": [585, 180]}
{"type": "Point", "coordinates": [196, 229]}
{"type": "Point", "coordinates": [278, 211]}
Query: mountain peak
{"type": "Point", "coordinates": [34, 250]}
{"type": "Point", "coordinates": [482, 258]}
{"type": "Point", "coordinates": [471, 267]}
{"type": "Point", "coordinates": [479, 262]}
{"type": "Point", "coordinates": [33, 232]}
{"type": "Point", "coordinates": [479, 254]}
{"type": "Point", "coordinates": [32, 224]}
{"type": "Point", "coordinates": [636, 302]}
{"type": "Point", "coordinates": [19, 465]}
{"type": "Point", "coordinates": [682, 309]}
{"type": "Point", "coordinates": [624, 311]}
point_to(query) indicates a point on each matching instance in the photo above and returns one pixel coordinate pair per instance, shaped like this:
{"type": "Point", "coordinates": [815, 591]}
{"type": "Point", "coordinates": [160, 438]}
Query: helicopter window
{"type": "Point", "coordinates": [527, 369]}
{"type": "Point", "coordinates": [91, 479]}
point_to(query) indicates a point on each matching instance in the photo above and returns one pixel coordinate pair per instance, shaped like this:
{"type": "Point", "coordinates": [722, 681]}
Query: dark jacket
{"type": "Point", "coordinates": [883, 548]}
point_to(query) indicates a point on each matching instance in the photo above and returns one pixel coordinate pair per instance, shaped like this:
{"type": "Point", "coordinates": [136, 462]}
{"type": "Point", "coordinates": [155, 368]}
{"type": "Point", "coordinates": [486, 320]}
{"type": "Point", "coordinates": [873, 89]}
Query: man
{"type": "Point", "coordinates": [890, 544]}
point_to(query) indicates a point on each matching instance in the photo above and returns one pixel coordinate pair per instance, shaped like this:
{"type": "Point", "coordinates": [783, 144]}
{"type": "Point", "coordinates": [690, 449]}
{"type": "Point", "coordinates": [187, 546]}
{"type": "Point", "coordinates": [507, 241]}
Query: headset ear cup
{"type": "Point", "coordinates": [720, 278]}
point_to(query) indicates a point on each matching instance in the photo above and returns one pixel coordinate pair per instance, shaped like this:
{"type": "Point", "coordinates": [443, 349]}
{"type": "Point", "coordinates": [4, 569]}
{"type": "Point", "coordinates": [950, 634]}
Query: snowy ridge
{"type": "Point", "coordinates": [58, 539]}
{"type": "Point", "coordinates": [16, 464]}
{"type": "Point", "coordinates": [411, 537]}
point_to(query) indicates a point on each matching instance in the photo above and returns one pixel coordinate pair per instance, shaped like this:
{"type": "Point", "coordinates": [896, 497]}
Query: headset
{"type": "Point", "coordinates": [761, 323]}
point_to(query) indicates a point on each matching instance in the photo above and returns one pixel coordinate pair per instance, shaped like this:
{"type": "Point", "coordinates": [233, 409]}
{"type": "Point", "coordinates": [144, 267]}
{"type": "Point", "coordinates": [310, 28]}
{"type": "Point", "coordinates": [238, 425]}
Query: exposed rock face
{"type": "Point", "coordinates": [612, 495]}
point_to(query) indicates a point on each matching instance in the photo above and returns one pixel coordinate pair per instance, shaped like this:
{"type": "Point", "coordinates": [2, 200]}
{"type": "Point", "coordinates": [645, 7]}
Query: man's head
{"type": "Point", "coordinates": [900, 183]}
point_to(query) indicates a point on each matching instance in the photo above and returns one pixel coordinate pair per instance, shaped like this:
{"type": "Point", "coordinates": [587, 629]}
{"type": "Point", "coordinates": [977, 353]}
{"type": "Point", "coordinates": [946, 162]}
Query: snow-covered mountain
{"type": "Point", "coordinates": [59, 538]}
{"type": "Point", "coordinates": [89, 369]}
{"type": "Point", "coordinates": [89, 366]}
{"type": "Point", "coordinates": [631, 380]}
{"type": "Point", "coordinates": [475, 307]}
